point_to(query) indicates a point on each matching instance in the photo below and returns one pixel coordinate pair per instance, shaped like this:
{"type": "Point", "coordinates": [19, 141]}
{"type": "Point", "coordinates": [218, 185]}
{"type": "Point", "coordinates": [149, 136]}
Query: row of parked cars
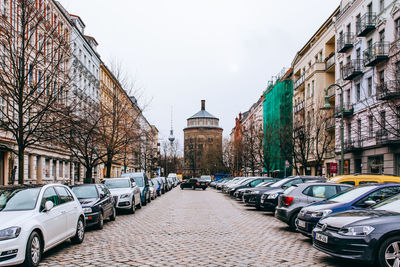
{"type": "Point", "coordinates": [36, 218]}
{"type": "Point", "coordinates": [355, 217]}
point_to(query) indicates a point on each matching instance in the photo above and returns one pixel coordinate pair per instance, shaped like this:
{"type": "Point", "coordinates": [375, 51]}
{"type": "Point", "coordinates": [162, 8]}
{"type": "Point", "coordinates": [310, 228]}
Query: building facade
{"type": "Point", "coordinates": [202, 143]}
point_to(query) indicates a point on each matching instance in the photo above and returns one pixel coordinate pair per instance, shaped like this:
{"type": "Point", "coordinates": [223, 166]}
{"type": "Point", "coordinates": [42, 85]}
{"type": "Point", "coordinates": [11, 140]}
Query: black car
{"type": "Point", "coordinates": [97, 203]}
{"type": "Point", "coordinates": [237, 191]}
{"type": "Point", "coordinates": [371, 235]}
{"type": "Point", "coordinates": [194, 183]}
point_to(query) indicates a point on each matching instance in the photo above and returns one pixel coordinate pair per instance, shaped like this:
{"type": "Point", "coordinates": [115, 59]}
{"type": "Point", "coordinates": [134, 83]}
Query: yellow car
{"type": "Point", "coordinates": [357, 179]}
{"type": "Point", "coordinates": [180, 177]}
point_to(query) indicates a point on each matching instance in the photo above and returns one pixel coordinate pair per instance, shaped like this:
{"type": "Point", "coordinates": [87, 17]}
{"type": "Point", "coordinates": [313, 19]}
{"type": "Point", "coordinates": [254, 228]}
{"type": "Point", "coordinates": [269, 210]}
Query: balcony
{"type": "Point", "coordinates": [377, 53]}
{"type": "Point", "coordinates": [353, 145]}
{"type": "Point", "coordinates": [329, 154]}
{"type": "Point", "coordinates": [384, 137]}
{"type": "Point", "coordinates": [347, 110]}
{"type": "Point", "coordinates": [299, 82]}
{"type": "Point", "coordinates": [352, 69]}
{"type": "Point", "coordinates": [345, 42]}
{"type": "Point", "coordinates": [366, 24]}
{"type": "Point", "coordinates": [330, 62]}
{"type": "Point", "coordinates": [330, 124]}
{"type": "Point", "coordinates": [388, 90]}
{"type": "Point", "coordinates": [299, 107]}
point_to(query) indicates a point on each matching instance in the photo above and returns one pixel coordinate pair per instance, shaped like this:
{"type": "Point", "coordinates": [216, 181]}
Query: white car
{"type": "Point", "coordinates": [174, 179]}
{"type": "Point", "coordinates": [125, 192]}
{"type": "Point", "coordinates": [33, 219]}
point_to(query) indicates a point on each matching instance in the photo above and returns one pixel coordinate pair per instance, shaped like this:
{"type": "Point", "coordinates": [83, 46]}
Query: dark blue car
{"type": "Point", "coordinates": [355, 198]}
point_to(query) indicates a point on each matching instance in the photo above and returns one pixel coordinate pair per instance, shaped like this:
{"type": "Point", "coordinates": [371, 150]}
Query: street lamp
{"type": "Point", "coordinates": [327, 105]}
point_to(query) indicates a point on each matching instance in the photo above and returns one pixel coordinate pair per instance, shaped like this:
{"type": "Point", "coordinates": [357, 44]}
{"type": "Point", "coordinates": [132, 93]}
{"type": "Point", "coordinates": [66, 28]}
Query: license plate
{"type": "Point", "coordinates": [302, 224]}
{"type": "Point", "coordinates": [322, 238]}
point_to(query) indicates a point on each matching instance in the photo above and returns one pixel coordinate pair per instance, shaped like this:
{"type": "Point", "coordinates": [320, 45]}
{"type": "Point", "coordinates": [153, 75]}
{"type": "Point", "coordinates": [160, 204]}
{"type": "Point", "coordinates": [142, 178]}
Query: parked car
{"type": "Point", "coordinates": [152, 189]}
{"type": "Point", "coordinates": [227, 187]}
{"type": "Point", "coordinates": [230, 182]}
{"type": "Point", "coordinates": [157, 183]}
{"type": "Point", "coordinates": [296, 197]}
{"type": "Point", "coordinates": [356, 198]}
{"type": "Point", "coordinates": [125, 192]}
{"type": "Point", "coordinates": [254, 182]}
{"type": "Point", "coordinates": [143, 183]}
{"type": "Point", "coordinates": [194, 183]}
{"type": "Point", "coordinates": [174, 179]}
{"type": "Point", "coordinates": [36, 218]}
{"type": "Point", "coordinates": [170, 183]}
{"type": "Point", "coordinates": [269, 198]}
{"type": "Point", "coordinates": [163, 184]}
{"type": "Point", "coordinates": [97, 203]}
{"type": "Point", "coordinates": [358, 179]}
{"type": "Point", "coordinates": [249, 194]}
{"type": "Point", "coordinates": [222, 182]}
{"type": "Point", "coordinates": [370, 235]}
{"type": "Point", "coordinates": [206, 178]}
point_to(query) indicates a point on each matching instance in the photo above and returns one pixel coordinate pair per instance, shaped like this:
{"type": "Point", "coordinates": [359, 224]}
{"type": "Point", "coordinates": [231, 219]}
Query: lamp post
{"type": "Point", "coordinates": [327, 105]}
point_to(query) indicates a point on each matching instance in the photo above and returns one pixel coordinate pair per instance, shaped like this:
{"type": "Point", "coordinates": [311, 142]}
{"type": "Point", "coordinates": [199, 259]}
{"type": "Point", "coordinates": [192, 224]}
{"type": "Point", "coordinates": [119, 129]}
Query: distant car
{"type": "Point", "coordinates": [194, 183]}
{"type": "Point", "coordinates": [206, 178]}
{"type": "Point", "coordinates": [125, 192]}
{"type": "Point", "coordinates": [163, 184]}
{"type": "Point", "coordinates": [143, 183]}
{"type": "Point", "coordinates": [153, 189]}
{"type": "Point", "coordinates": [221, 183]}
{"type": "Point", "coordinates": [240, 193]}
{"type": "Point", "coordinates": [355, 198]}
{"type": "Point", "coordinates": [252, 183]}
{"type": "Point", "coordinates": [174, 179]}
{"type": "Point", "coordinates": [97, 203]}
{"type": "Point", "coordinates": [170, 182]}
{"type": "Point", "coordinates": [158, 185]}
{"type": "Point", "coordinates": [296, 197]}
{"type": "Point", "coordinates": [34, 219]}
{"type": "Point", "coordinates": [370, 235]}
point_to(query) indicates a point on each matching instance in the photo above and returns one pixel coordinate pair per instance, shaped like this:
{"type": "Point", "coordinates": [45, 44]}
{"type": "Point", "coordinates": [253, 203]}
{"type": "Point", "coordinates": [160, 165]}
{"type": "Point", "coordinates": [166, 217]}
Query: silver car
{"type": "Point", "coordinates": [125, 192]}
{"type": "Point", "coordinates": [293, 199]}
{"type": "Point", "coordinates": [153, 189]}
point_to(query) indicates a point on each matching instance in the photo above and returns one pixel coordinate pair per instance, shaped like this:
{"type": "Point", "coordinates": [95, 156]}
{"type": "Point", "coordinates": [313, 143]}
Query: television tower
{"type": "Point", "coordinates": [171, 137]}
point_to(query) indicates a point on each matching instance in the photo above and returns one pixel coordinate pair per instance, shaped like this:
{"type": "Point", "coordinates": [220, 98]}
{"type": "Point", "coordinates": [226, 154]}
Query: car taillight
{"type": "Point", "coordinates": [287, 201]}
{"type": "Point", "coordinates": [197, 183]}
{"type": "Point", "coordinates": [206, 183]}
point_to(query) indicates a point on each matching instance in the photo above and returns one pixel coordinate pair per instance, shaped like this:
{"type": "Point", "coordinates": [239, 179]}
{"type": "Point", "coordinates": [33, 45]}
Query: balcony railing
{"type": "Point", "coordinates": [352, 69]}
{"type": "Point", "coordinates": [384, 136]}
{"type": "Point", "coordinates": [329, 62]}
{"type": "Point", "coordinates": [347, 110]}
{"type": "Point", "coordinates": [345, 42]}
{"type": "Point", "coordinates": [299, 107]}
{"type": "Point", "coordinates": [299, 82]}
{"type": "Point", "coordinates": [330, 124]}
{"type": "Point", "coordinates": [388, 90]}
{"type": "Point", "coordinates": [366, 24]}
{"type": "Point", "coordinates": [378, 52]}
{"type": "Point", "coordinates": [352, 145]}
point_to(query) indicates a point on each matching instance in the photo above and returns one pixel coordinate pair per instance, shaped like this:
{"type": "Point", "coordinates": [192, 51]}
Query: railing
{"type": "Point", "coordinates": [330, 124]}
{"type": "Point", "coordinates": [299, 107]}
{"type": "Point", "coordinates": [352, 69]}
{"type": "Point", "coordinates": [353, 144]}
{"type": "Point", "coordinates": [329, 62]}
{"type": "Point", "coordinates": [377, 52]}
{"type": "Point", "coordinates": [383, 136]}
{"type": "Point", "coordinates": [345, 42]}
{"type": "Point", "coordinates": [388, 90]}
{"type": "Point", "coordinates": [299, 81]}
{"type": "Point", "coordinates": [366, 24]}
{"type": "Point", "coordinates": [347, 109]}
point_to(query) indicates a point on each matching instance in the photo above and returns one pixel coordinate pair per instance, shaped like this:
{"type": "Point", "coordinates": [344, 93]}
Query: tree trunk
{"type": "Point", "coordinates": [89, 175]}
{"type": "Point", "coordinates": [108, 167]}
{"type": "Point", "coordinates": [21, 153]}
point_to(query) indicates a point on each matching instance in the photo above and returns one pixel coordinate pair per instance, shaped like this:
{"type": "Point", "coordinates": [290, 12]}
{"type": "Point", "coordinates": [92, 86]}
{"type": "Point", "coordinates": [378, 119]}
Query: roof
{"type": "Point", "coordinates": [203, 114]}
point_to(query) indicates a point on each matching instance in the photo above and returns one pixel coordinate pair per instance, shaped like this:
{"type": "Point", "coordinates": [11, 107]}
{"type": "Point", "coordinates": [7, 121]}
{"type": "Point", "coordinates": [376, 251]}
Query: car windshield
{"type": "Point", "coordinates": [391, 204]}
{"type": "Point", "coordinates": [18, 199]}
{"type": "Point", "coordinates": [288, 190]}
{"type": "Point", "coordinates": [117, 183]}
{"type": "Point", "coordinates": [86, 191]}
{"type": "Point", "coordinates": [351, 194]}
{"type": "Point", "coordinates": [244, 181]}
{"type": "Point", "coordinates": [139, 181]}
{"type": "Point", "coordinates": [207, 178]}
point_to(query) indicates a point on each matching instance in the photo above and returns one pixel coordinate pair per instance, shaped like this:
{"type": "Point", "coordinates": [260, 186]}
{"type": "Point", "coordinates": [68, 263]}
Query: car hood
{"type": "Point", "coordinates": [120, 191]}
{"type": "Point", "coordinates": [358, 217]}
{"type": "Point", "coordinates": [88, 202]}
{"type": "Point", "coordinates": [15, 218]}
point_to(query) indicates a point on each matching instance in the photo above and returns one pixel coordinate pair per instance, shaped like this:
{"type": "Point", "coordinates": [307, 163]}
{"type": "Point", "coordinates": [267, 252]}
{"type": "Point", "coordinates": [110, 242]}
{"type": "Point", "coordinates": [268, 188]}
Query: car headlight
{"type": "Point", "coordinates": [321, 213]}
{"type": "Point", "coordinates": [273, 195]}
{"type": "Point", "coordinates": [87, 210]}
{"type": "Point", "coordinates": [125, 196]}
{"type": "Point", "coordinates": [356, 230]}
{"type": "Point", "coordinates": [10, 233]}
{"type": "Point", "coordinates": [255, 192]}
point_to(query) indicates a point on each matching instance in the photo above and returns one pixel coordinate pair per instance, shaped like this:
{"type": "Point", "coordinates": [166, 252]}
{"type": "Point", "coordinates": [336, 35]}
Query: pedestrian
{"type": "Point", "coordinates": [14, 170]}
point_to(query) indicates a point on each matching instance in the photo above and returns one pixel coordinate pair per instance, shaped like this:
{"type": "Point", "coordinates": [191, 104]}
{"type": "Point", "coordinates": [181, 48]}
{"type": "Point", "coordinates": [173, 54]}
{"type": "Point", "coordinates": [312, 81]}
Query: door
{"type": "Point", "coordinates": [106, 201]}
{"type": "Point", "coordinates": [70, 208]}
{"type": "Point", "coordinates": [53, 221]}
{"type": "Point", "coordinates": [377, 196]}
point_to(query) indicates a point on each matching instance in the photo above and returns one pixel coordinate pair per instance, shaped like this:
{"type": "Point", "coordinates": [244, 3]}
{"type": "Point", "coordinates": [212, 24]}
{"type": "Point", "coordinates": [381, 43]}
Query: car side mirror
{"type": "Point", "coordinates": [48, 206]}
{"type": "Point", "coordinates": [102, 196]}
{"type": "Point", "coordinates": [284, 186]}
{"type": "Point", "coordinates": [369, 203]}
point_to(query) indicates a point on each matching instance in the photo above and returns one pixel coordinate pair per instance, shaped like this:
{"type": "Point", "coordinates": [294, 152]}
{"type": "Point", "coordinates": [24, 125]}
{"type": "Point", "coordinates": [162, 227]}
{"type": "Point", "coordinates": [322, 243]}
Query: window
{"type": "Point", "coordinates": [382, 77]}
{"type": "Point", "coordinates": [375, 164]}
{"type": "Point", "coordinates": [49, 195]}
{"type": "Point", "coordinates": [65, 195]}
{"type": "Point", "coordinates": [320, 191]}
{"type": "Point", "coordinates": [358, 92]}
{"type": "Point", "coordinates": [3, 7]}
{"type": "Point", "coordinates": [383, 120]}
{"type": "Point", "coordinates": [369, 86]}
{"type": "Point", "coordinates": [30, 74]}
{"type": "Point", "coordinates": [382, 36]}
{"type": "Point", "coordinates": [381, 5]}
{"type": "Point", "coordinates": [379, 195]}
{"type": "Point", "coordinates": [3, 109]}
{"type": "Point", "coordinates": [349, 131]}
{"type": "Point", "coordinates": [397, 29]}
{"type": "Point", "coordinates": [349, 182]}
{"type": "Point", "coordinates": [312, 91]}
{"type": "Point", "coordinates": [359, 129]}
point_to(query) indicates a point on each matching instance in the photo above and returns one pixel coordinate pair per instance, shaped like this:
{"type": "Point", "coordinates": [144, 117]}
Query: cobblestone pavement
{"type": "Point", "coordinates": [192, 228]}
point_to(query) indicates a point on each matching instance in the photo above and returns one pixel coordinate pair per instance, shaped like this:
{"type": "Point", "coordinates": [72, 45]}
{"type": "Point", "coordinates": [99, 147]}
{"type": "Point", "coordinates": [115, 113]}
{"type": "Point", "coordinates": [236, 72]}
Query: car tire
{"type": "Point", "coordinates": [387, 246]}
{"type": "Point", "coordinates": [100, 223]}
{"type": "Point", "coordinates": [34, 250]}
{"type": "Point", "coordinates": [80, 232]}
{"type": "Point", "coordinates": [149, 200]}
{"type": "Point", "coordinates": [132, 210]}
{"type": "Point", "coordinates": [204, 188]}
{"type": "Point", "coordinates": [194, 188]}
{"type": "Point", "coordinates": [113, 214]}
{"type": "Point", "coordinates": [292, 221]}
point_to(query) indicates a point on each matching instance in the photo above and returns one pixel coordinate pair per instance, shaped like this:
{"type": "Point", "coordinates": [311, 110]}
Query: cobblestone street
{"type": "Point", "coordinates": [192, 228]}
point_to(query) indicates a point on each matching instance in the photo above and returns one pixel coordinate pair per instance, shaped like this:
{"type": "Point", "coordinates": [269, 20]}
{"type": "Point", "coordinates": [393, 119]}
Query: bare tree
{"type": "Point", "coordinates": [33, 77]}
{"type": "Point", "coordinates": [253, 148]}
{"type": "Point", "coordinates": [228, 157]}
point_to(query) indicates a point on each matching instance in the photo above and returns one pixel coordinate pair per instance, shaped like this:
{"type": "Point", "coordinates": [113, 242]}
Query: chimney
{"type": "Point", "coordinates": [203, 105]}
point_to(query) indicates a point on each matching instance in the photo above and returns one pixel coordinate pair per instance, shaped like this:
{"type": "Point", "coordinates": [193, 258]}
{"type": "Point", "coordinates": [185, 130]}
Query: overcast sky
{"type": "Point", "coordinates": [182, 51]}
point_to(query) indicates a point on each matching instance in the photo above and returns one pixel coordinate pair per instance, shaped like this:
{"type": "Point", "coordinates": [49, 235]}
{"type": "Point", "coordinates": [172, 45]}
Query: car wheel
{"type": "Point", "coordinates": [113, 214]}
{"type": "Point", "coordinates": [292, 222]}
{"type": "Point", "coordinates": [80, 232]}
{"type": "Point", "coordinates": [33, 253]}
{"type": "Point", "coordinates": [139, 206]}
{"type": "Point", "coordinates": [204, 188]}
{"type": "Point", "coordinates": [149, 200]}
{"type": "Point", "coordinates": [389, 252]}
{"type": "Point", "coordinates": [132, 210]}
{"type": "Point", "coordinates": [194, 188]}
{"type": "Point", "coordinates": [100, 223]}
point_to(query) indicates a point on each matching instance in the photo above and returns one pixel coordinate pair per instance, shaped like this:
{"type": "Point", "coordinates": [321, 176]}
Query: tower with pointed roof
{"type": "Point", "coordinates": [202, 143]}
